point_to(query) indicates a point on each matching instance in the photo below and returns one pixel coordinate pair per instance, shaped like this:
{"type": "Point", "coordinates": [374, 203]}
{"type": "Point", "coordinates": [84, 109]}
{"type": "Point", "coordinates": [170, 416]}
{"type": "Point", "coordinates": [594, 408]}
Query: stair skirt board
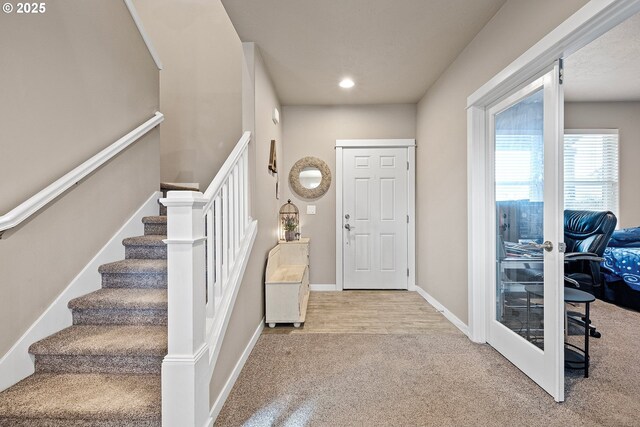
{"type": "Point", "coordinates": [233, 376]}
{"type": "Point", "coordinates": [17, 363]}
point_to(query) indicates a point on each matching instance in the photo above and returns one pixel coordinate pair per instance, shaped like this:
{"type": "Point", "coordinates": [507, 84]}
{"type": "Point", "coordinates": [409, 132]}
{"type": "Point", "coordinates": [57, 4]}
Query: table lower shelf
{"type": "Point", "coordinates": [574, 357]}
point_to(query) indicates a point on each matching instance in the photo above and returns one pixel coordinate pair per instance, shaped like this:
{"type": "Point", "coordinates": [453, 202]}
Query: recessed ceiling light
{"type": "Point", "coordinates": [347, 83]}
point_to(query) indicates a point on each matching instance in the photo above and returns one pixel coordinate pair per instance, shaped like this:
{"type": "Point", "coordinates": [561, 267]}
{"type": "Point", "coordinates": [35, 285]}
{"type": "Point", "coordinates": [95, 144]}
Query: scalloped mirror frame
{"type": "Point", "coordinates": [310, 193]}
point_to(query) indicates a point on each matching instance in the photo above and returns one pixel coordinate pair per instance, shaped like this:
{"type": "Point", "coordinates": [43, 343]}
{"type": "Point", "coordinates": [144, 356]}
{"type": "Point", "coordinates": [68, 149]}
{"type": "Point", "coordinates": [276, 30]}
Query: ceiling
{"type": "Point", "coordinates": [393, 49]}
{"type": "Point", "coordinates": [607, 69]}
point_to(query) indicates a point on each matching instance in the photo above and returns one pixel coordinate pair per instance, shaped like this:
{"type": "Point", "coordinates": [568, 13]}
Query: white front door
{"type": "Point", "coordinates": [374, 218]}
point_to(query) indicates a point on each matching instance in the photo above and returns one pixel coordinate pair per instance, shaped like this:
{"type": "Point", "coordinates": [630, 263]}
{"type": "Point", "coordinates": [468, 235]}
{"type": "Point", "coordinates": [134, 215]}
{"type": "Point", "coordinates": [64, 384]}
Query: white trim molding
{"type": "Point", "coordinates": [442, 309]}
{"type": "Point", "coordinates": [339, 225]}
{"type": "Point", "coordinates": [378, 143]}
{"type": "Point", "coordinates": [17, 364]}
{"type": "Point", "coordinates": [145, 37]}
{"type": "Point", "coordinates": [323, 287]}
{"type": "Point", "coordinates": [36, 202]}
{"type": "Point", "coordinates": [224, 394]}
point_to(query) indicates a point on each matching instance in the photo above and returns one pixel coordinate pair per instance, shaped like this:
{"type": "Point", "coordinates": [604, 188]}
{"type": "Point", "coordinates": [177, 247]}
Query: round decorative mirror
{"type": "Point", "coordinates": [310, 177]}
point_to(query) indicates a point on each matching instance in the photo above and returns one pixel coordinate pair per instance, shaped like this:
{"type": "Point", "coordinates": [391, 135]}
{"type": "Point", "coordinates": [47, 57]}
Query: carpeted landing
{"type": "Point", "coordinates": [438, 378]}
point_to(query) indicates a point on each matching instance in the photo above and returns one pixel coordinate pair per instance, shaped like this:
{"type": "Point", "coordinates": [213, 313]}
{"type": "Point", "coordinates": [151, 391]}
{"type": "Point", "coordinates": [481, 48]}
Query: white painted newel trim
{"type": "Point", "coordinates": [43, 197]}
{"type": "Point", "coordinates": [17, 364]}
{"type": "Point", "coordinates": [209, 242]}
{"type": "Point", "coordinates": [147, 40]}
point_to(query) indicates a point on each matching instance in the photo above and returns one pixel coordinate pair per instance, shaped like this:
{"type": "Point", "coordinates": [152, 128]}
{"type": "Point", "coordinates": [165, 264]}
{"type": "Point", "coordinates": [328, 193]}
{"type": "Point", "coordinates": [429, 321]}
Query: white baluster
{"type": "Point", "coordinates": [185, 369]}
{"type": "Point", "coordinates": [210, 265]}
{"type": "Point", "coordinates": [232, 218]}
{"type": "Point", "coordinates": [218, 247]}
{"type": "Point", "coordinates": [225, 234]}
{"type": "Point", "coordinates": [245, 160]}
{"type": "Point", "coordinates": [241, 197]}
{"type": "Point", "coordinates": [236, 210]}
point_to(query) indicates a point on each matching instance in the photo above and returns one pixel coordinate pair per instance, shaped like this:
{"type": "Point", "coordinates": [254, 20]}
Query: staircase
{"type": "Point", "coordinates": [105, 369]}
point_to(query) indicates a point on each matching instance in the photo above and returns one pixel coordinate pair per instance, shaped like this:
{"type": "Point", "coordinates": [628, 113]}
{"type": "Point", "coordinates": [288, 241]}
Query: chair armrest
{"type": "Point", "coordinates": [571, 281]}
{"type": "Point", "coordinates": [582, 256]}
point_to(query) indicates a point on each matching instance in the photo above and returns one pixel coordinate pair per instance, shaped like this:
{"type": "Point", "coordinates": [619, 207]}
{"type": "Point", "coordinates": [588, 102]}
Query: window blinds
{"type": "Point", "coordinates": [591, 170]}
{"type": "Point", "coordinates": [518, 167]}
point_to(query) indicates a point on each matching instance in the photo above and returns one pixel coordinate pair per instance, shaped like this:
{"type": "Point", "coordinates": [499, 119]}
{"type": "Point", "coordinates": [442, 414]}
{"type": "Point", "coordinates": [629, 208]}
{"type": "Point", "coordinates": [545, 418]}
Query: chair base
{"type": "Point", "coordinates": [579, 320]}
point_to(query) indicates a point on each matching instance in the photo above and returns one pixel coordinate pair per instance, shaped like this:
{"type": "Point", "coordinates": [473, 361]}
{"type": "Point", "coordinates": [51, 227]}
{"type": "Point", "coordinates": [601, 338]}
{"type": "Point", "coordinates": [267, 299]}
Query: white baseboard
{"type": "Point", "coordinates": [450, 316]}
{"type": "Point", "coordinates": [323, 287]}
{"type": "Point", "coordinates": [222, 397]}
{"type": "Point", "coordinates": [17, 363]}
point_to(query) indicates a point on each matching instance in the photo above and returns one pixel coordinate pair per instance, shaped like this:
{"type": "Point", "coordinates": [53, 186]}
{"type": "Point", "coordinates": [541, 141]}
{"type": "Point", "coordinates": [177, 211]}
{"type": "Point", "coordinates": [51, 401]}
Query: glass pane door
{"type": "Point", "coordinates": [519, 185]}
{"type": "Point", "coordinates": [527, 324]}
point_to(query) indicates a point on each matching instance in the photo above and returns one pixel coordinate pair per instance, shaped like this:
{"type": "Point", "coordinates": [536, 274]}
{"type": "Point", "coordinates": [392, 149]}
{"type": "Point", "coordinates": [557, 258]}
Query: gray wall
{"type": "Point", "coordinates": [624, 116]}
{"type": "Point", "coordinates": [442, 142]}
{"type": "Point", "coordinates": [312, 131]}
{"type": "Point", "coordinates": [200, 86]}
{"type": "Point", "coordinates": [260, 99]}
{"type": "Point", "coordinates": [70, 86]}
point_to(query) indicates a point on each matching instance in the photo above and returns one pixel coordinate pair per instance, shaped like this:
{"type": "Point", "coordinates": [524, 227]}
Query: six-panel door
{"type": "Point", "coordinates": [375, 218]}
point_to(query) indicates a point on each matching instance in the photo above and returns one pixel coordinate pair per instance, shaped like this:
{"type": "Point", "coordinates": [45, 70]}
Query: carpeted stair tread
{"type": "Point", "coordinates": [155, 225]}
{"type": "Point", "coordinates": [122, 299]}
{"type": "Point", "coordinates": [135, 266]}
{"type": "Point", "coordinates": [158, 219]}
{"type": "Point", "coordinates": [82, 400]}
{"type": "Point", "coordinates": [146, 240]}
{"type": "Point", "coordinates": [105, 340]}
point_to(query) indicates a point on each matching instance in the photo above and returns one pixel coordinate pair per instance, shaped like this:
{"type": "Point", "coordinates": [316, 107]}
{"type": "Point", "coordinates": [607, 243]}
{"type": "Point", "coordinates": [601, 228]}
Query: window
{"type": "Point", "coordinates": [591, 170]}
{"type": "Point", "coordinates": [518, 166]}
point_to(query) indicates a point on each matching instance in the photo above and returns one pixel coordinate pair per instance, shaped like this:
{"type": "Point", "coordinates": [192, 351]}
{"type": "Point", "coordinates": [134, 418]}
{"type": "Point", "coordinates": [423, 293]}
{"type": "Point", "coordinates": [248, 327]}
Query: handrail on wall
{"type": "Point", "coordinates": [30, 206]}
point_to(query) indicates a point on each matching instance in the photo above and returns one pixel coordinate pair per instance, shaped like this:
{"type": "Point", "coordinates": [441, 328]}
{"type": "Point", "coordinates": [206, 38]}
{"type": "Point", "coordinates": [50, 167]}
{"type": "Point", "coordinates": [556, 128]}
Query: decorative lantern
{"type": "Point", "coordinates": [289, 222]}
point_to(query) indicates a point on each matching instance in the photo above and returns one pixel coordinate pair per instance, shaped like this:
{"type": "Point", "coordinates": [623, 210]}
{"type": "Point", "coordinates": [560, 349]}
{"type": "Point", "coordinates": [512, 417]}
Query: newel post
{"type": "Point", "coordinates": [185, 369]}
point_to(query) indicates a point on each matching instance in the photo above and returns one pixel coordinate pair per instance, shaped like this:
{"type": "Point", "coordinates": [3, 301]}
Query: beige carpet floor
{"type": "Point", "coordinates": [430, 378]}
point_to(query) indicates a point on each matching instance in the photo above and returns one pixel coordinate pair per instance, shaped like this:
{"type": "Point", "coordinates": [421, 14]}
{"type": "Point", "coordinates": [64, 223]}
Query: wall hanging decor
{"type": "Point", "coordinates": [310, 178]}
{"type": "Point", "coordinates": [273, 166]}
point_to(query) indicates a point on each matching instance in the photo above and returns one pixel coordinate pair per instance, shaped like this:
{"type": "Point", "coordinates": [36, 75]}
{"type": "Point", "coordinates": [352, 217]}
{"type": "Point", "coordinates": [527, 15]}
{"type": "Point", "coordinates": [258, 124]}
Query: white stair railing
{"type": "Point", "coordinates": [209, 240]}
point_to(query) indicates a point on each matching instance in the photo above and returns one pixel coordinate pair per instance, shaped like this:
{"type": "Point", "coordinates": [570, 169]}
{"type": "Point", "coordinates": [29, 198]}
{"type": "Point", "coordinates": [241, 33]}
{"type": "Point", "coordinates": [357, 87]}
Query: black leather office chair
{"type": "Point", "coordinates": [586, 234]}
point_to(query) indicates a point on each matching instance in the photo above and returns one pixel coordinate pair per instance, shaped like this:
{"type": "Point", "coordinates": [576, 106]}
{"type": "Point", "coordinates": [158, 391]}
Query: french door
{"type": "Point", "coordinates": [526, 300]}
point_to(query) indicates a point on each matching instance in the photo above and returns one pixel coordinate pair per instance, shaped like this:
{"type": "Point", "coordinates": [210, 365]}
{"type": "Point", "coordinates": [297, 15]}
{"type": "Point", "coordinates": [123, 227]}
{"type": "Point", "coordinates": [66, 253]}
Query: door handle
{"type": "Point", "coordinates": [547, 246]}
{"type": "Point", "coordinates": [348, 227]}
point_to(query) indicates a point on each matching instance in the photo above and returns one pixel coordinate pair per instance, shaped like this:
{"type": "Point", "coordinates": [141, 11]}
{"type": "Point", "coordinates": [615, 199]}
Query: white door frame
{"type": "Point", "coordinates": [590, 22]}
{"type": "Point", "coordinates": [410, 145]}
